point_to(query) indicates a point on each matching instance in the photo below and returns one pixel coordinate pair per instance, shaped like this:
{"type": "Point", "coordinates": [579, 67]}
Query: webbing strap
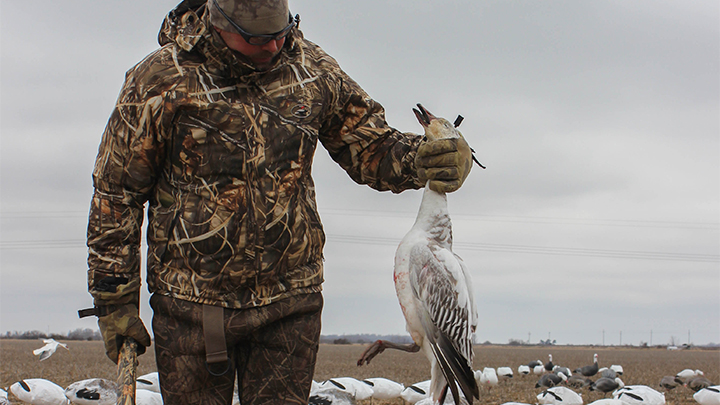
{"type": "Point", "coordinates": [214, 332]}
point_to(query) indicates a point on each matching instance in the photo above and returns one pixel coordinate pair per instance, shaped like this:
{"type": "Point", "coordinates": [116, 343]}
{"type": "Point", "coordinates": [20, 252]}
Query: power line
{"type": "Point", "coordinates": [486, 247]}
{"type": "Point", "coordinates": [543, 250]}
{"type": "Point", "coordinates": [710, 225]}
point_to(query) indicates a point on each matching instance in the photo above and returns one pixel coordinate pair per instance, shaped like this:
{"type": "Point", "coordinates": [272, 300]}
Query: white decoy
{"type": "Point", "coordinates": [559, 396]}
{"type": "Point", "coordinates": [146, 397]}
{"type": "Point", "coordinates": [488, 376]}
{"type": "Point", "coordinates": [617, 368]}
{"type": "Point", "coordinates": [148, 382]}
{"type": "Point", "coordinates": [514, 403]}
{"type": "Point", "coordinates": [607, 401]}
{"type": "Point", "coordinates": [4, 397]}
{"type": "Point", "coordinates": [38, 391]}
{"type": "Point", "coordinates": [539, 369]}
{"type": "Point", "coordinates": [384, 388]}
{"type": "Point", "coordinates": [434, 289]}
{"type": "Point", "coordinates": [639, 395]}
{"type": "Point", "coordinates": [523, 369]}
{"type": "Point", "coordinates": [687, 374]}
{"type": "Point", "coordinates": [92, 391]}
{"type": "Point", "coordinates": [708, 396]}
{"type": "Point", "coordinates": [504, 373]}
{"type": "Point", "coordinates": [331, 397]}
{"type": "Point", "coordinates": [50, 346]}
{"type": "Point", "coordinates": [416, 392]}
{"type": "Point", "coordinates": [356, 388]}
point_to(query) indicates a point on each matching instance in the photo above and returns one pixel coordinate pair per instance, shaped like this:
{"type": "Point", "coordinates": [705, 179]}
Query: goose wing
{"type": "Point", "coordinates": [440, 283]}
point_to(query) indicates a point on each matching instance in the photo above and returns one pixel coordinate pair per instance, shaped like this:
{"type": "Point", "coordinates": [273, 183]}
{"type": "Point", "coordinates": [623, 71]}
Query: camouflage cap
{"type": "Point", "coordinates": [254, 16]}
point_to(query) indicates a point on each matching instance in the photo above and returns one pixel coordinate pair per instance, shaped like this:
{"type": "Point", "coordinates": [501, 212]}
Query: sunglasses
{"type": "Point", "coordinates": [258, 39]}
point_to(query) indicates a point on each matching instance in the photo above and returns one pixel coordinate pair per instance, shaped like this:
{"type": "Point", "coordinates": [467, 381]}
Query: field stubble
{"type": "Point", "coordinates": [641, 366]}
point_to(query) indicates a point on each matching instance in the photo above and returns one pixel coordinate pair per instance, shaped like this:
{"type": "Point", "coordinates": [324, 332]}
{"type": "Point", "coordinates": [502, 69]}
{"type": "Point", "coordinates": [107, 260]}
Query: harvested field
{"type": "Point", "coordinates": [641, 366]}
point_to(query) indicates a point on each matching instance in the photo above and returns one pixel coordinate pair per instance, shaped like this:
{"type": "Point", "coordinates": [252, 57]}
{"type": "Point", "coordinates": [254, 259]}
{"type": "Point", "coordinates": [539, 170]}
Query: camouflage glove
{"type": "Point", "coordinates": [123, 322]}
{"type": "Point", "coordinates": [445, 163]}
{"type": "Point", "coordinates": [116, 306]}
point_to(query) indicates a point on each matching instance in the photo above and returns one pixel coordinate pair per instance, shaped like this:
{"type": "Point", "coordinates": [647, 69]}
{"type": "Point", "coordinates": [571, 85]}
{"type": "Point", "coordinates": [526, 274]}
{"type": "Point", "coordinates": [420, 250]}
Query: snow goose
{"type": "Point", "coordinates": [559, 396]}
{"type": "Point", "coordinates": [591, 370]}
{"type": "Point", "coordinates": [38, 391]}
{"type": "Point", "coordinates": [579, 381]}
{"type": "Point", "coordinates": [434, 289]}
{"type": "Point", "coordinates": [617, 368]}
{"type": "Point", "coordinates": [607, 373]}
{"type": "Point", "coordinates": [639, 395]}
{"type": "Point", "coordinates": [708, 396]}
{"type": "Point", "coordinates": [50, 346]}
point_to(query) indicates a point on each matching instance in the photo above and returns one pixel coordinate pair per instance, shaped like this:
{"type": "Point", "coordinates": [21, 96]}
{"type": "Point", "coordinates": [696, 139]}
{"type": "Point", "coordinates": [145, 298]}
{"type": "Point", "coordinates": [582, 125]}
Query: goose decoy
{"type": "Point", "coordinates": [559, 396]}
{"type": "Point", "coordinates": [591, 370]}
{"type": "Point", "coordinates": [639, 395]}
{"type": "Point", "coordinates": [550, 380]}
{"type": "Point", "coordinates": [670, 382]}
{"type": "Point", "coordinates": [708, 396]}
{"type": "Point", "coordinates": [38, 391]}
{"type": "Point", "coordinates": [605, 384]}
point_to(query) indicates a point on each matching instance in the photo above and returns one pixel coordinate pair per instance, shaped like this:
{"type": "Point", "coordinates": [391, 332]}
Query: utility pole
{"type": "Point", "coordinates": [688, 337]}
{"type": "Point", "coordinates": [528, 337]}
{"type": "Point", "coordinates": [650, 337]}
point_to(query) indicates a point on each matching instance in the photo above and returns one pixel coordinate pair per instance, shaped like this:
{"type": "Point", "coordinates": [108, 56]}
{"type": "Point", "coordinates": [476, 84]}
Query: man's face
{"type": "Point", "coordinates": [260, 55]}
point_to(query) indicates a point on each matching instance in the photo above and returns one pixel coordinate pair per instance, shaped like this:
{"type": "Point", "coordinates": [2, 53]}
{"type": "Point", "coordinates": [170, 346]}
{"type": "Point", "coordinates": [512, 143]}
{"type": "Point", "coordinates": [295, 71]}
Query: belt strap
{"type": "Point", "coordinates": [214, 332]}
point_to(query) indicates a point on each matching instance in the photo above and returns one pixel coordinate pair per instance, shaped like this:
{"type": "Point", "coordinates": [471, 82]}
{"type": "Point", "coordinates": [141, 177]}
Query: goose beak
{"type": "Point", "coordinates": [423, 116]}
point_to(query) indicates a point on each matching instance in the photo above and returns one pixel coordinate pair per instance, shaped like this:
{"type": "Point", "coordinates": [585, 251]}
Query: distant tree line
{"type": "Point", "coordinates": [77, 334]}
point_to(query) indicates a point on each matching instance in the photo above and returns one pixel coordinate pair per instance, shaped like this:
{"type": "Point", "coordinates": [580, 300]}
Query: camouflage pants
{"type": "Point", "coordinates": [272, 350]}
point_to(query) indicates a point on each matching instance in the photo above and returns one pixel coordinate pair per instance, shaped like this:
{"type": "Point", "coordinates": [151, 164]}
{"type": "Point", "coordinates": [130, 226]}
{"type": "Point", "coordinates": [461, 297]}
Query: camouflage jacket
{"type": "Point", "coordinates": [222, 154]}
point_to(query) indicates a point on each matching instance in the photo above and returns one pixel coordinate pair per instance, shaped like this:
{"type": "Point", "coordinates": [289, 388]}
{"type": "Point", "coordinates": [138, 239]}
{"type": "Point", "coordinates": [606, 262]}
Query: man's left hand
{"type": "Point", "coordinates": [445, 163]}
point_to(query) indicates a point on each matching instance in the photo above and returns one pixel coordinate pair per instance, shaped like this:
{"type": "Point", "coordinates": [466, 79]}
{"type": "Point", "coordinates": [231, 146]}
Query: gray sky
{"type": "Point", "coordinates": [599, 121]}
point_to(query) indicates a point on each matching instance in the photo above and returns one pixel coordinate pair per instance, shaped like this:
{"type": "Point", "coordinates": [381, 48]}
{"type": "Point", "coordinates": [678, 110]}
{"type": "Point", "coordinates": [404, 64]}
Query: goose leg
{"type": "Point", "coordinates": [379, 346]}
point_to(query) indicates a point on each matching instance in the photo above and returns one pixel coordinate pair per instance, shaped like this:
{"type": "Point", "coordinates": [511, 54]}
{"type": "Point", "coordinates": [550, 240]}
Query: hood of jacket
{"type": "Point", "coordinates": [189, 29]}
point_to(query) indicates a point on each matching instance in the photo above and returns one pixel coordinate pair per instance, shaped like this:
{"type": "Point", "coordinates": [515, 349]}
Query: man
{"type": "Point", "coordinates": [216, 131]}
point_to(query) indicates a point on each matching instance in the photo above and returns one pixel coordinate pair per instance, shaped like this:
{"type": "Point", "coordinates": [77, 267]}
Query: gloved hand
{"type": "Point", "coordinates": [116, 306]}
{"type": "Point", "coordinates": [445, 163]}
{"type": "Point", "coordinates": [123, 322]}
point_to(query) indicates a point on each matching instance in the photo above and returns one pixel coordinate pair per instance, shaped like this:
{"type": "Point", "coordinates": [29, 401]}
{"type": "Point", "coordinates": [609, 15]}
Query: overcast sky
{"type": "Point", "coordinates": [596, 221]}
